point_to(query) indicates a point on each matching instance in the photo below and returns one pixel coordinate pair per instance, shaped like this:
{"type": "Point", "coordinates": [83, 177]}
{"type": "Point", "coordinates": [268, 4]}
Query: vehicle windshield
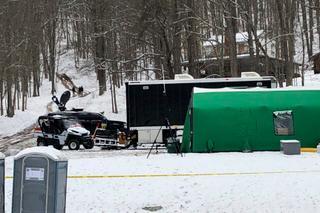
{"type": "Point", "coordinates": [67, 123]}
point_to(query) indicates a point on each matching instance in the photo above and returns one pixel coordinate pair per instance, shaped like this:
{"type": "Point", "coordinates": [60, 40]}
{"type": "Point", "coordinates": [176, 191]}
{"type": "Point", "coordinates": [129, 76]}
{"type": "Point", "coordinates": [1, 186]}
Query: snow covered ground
{"type": "Point", "coordinates": [219, 182]}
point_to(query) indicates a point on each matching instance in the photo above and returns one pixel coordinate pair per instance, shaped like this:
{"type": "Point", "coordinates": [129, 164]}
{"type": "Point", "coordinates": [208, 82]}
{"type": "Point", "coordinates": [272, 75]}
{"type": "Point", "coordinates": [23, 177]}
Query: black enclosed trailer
{"type": "Point", "coordinates": [150, 103]}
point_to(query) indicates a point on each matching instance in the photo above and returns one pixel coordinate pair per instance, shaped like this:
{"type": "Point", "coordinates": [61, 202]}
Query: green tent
{"type": "Point", "coordinates": [251, 119]}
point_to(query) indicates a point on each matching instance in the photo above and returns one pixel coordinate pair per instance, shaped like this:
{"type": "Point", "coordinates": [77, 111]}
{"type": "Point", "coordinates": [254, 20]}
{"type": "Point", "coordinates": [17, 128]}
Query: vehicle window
{"type": "Point", "coordinates": [45, 125]}
{"type": "Point", "coordinates": [70, 123]}
{"type": "Point", "coordinates": [283, 122]}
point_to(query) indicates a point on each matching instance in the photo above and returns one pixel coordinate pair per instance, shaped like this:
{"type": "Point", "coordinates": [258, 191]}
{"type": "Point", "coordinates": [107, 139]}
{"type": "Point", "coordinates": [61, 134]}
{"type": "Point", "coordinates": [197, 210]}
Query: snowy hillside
{"type": "Point", "coordinates": [85, 77]}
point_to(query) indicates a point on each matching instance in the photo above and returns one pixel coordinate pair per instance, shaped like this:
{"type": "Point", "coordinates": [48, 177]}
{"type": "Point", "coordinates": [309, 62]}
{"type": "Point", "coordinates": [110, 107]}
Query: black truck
{"type": "Point", "coordinates": [92, 120]}
{"type": "Point", "coordinates": [102, 131]}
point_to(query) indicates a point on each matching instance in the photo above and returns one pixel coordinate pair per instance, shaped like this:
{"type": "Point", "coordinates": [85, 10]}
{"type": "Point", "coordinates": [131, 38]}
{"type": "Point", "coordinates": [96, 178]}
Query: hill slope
{"type": "Point", "coordinates": [86, 77]}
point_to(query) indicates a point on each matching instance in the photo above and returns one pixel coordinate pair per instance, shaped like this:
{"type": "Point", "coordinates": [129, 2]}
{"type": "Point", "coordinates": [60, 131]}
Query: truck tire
{"type": "Point", "coordinates": [88, 145]}
{"type": "Point", "coordinates": [73, 144]}
{"type": "Point", "coordinates": [41, 142]}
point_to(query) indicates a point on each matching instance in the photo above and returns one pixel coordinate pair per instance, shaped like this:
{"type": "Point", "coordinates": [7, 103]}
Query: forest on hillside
{"type": "Point", "coordinates": [154, 38]}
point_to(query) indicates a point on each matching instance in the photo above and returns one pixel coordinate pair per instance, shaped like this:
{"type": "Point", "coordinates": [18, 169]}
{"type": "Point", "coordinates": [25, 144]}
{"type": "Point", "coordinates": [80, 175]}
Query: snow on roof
{"type": "Point", "coordinates": [2, 156]}
{"type": "Point", "coordinates": [240, 56]}
{"type": "Point", "coordinates": [289, 141]}
{"type": "Point", "coordinates": [198, 80]}
{"type": "Point", "coordinates": [42, 150]}
{"type": "Point", "coordinates": [240, 37]}
{"type": "Point", "coordinates": [212, 41]}
{"type": "Point", "coordinates": [244, 36]}
{"type": "Point", "coordinates": [255, 89]}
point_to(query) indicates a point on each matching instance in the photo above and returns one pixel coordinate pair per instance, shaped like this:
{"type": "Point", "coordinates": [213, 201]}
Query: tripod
{"type": "Point", "coordinates": [174, 140]}
{"type": "Point", "coordinates": [154, 142]}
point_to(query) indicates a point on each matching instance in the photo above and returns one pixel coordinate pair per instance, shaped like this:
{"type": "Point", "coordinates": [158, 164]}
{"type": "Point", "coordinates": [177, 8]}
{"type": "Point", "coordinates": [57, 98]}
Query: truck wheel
{"type": "Point", "coordinates": [74, 144]}
{"type": "Point", "coordinates": [41, 142]}
{"type": "Point", "coordinates": [88, 145]}
{"type": "Point", "coordinates": [59, 147]}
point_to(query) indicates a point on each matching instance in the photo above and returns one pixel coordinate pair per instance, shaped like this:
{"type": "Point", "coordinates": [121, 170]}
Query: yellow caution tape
{"type": "Point", "coordinates": [308, 150]}
{"type": "Point", "coordinates": [185, 174]}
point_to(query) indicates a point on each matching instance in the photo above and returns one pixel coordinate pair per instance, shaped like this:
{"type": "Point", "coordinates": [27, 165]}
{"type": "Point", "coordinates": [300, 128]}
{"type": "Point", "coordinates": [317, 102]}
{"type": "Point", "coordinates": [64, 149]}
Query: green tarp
{"type": "Point", "coordinates": [250, 119]}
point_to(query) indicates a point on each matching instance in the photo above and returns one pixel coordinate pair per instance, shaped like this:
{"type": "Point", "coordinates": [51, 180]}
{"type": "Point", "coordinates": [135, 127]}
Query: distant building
{"type": "Point", "coordinates": [214, 60]}
{"type": "Point", "coordinates": [212, 47]}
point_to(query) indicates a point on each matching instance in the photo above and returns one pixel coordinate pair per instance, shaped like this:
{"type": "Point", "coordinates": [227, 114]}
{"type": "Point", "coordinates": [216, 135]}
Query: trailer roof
{"type": "Point", "coordinates": [228, 89]}
{"type": "Point", "coordinates": [202, 80]}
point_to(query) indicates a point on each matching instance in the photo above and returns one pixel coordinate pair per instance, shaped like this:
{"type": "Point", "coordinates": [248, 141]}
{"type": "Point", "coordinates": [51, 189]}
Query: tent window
{"type": "Point", "coordinates": [283, 122]}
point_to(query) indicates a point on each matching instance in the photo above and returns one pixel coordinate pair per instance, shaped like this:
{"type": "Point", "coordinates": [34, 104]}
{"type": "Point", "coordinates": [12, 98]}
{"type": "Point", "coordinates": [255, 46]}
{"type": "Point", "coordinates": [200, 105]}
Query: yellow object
{"type": "Point", "coordinates": [104, 126]}
{"type": "Point", "coordinates": [308, 150]}
{"type": "Point", "coordinates": [186, 174]}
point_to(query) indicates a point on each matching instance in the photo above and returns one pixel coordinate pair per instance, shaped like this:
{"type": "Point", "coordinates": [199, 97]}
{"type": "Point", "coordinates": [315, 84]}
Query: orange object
{"type": "Point", "coordinates": [122, 138]}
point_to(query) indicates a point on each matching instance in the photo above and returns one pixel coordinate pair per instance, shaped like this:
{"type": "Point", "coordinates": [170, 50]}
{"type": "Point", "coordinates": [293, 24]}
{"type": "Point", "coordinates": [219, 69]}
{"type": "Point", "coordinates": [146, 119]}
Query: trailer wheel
{"type": "Point", "coordinates": [88, 145]}
{"type": "Point", "coordinates": [73, 144]}
{"type": "Point", "coordinates": [41, 142]}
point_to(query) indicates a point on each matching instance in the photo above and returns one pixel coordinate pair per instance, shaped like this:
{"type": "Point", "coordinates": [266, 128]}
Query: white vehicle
{"type": "Point", "coordinates": [60, 131]}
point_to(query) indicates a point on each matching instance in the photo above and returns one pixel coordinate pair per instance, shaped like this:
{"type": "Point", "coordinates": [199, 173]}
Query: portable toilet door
{"type": "Point", "coordinates": [40, 181]}
{"type": "Point", "coordinates": [35, 184]}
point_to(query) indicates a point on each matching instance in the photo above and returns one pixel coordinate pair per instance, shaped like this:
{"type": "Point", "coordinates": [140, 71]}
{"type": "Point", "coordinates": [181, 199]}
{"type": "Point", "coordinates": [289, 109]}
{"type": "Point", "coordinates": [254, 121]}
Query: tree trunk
{"type": "Point", "coordinates": [100, 64]}
{"type": "Point", "coordinates": [98, 14]}
{"type": "Point", "coordinates": [311, 26]}
{"type": "Point", "coordinates": [10, 106]}
{"type": "Point", "coordinates": [51, 33]}
{"type": "Point", "coordinates": [157, 57]}
{"type": "Point", "coordinates": [176, 49]}
{"type": "Point", "coordinates": [317, 5]}
{"type": "Point", "coordinates": [192, 39]}
{"type": "Point", "coordinates": [231, 44]}
{"type": "Point", "coordinates": [290, 13]}
{"type": "Point", "coordinates": [305, 26]}
{"type": "Point", "coordinates": [303, 58]}
{"type": "Point", "coordinates": [114, 98]}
